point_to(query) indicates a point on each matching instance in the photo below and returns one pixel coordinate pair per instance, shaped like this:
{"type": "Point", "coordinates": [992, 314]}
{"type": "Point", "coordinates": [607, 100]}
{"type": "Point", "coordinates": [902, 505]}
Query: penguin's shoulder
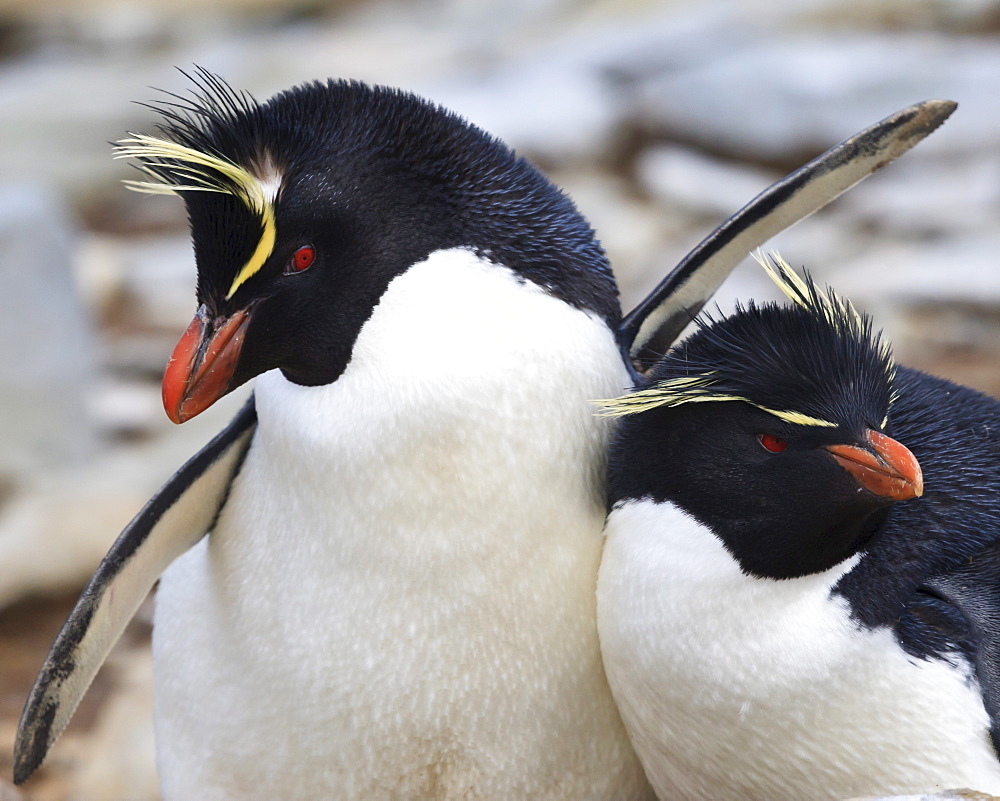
{"type": "Point", "coordinates": [933, 573]}
{"type": "Point", "coordinates": [954, 432]}
{"type": "Point", "coordinates": [962, 609]}
{"type": "Point", "coordinates": [952, 426]}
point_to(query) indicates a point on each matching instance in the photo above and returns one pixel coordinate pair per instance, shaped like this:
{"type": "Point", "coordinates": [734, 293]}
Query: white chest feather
{"type": "Point", "coordinates": [734, 687]}
{"type": "Point", "coordinates": [398, 599]}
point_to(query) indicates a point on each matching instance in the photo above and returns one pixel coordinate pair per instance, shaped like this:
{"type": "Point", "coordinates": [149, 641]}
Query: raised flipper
{"type": "Point", "coordinates": [651, 328]}
{"type": "Point", "coordinates": [173, 520]}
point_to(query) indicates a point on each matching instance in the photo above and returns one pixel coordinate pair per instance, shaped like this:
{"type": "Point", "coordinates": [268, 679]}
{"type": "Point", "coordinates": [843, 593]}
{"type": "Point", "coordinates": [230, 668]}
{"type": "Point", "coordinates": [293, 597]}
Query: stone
{"type": "Point", "coordinates": [545, 107]}
{"type": "Point", "coordinates": [47, 356]}
{"type": "Point", "coordinates": [925, 195]}
{"type": "Point", "coordinates": [55, 528]}
{"type": "Point", "coordinates": [782, 96]}
{"type": "Point", "coordinates": [118, 759]}
{"type": "Point", "coordinates": [676, 175]}
{"type": "Point", "coordinates": [157, 281]}
{"type": "Point", "coordinates": [963, 794]}
{"type": "Point", "coordinates": [943, 269]}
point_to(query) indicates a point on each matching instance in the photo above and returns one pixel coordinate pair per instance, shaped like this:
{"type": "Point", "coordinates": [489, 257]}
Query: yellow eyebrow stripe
{"type": "Point", "coordinates": [652, 398]}
{"type": "Point", "coordinates": [152, 151]}
{"type": "Point", "coordinates": [195, 169]}
{"type": "Point", "coordinates": [261, 253]}
{"type": "Point", "coordinates": [796, 418]}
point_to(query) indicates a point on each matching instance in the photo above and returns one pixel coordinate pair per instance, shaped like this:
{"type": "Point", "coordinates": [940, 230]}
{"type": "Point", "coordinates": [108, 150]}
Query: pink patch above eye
{"type": "Point", "coordinates": [302, 258]}
{"type": "Point", "coordinates": [772, 443]}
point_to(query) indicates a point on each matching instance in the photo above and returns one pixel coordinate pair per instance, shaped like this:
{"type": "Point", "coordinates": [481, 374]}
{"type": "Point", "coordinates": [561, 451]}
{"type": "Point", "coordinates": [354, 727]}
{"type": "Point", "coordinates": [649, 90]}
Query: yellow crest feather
{"type": "Point", "coordinates": [202, 172]}
{"type": "Point", "coordinates": [699, 388]}
{"type": "Point", "coordinates": [831, 306]}
{"type": "Point", "coordinates": [692, 389]}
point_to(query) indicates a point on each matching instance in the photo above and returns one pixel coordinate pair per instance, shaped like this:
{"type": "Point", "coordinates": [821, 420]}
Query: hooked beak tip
{"type": "Point", "coordinates": [200, 370]}
{"type": "Point", "coordinates": [887, 468]}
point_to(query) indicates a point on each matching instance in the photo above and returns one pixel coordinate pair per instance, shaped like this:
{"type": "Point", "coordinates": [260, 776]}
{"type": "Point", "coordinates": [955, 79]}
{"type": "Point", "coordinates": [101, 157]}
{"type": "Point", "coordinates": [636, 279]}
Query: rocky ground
{"type": "Point", "coordinates": [659, 119]}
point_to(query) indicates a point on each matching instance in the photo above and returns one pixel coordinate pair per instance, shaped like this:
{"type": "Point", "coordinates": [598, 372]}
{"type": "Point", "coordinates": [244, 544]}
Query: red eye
{"type": "Point", "coordinates": [302, 258]}
{"type": "Point", "coordinates": [772, 443]}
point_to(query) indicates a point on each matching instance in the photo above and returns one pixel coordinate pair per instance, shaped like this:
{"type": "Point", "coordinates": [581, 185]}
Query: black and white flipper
{"type": "Point", "coordinates": [170, 523]}
{"type": "Point", "coordinates": [650, 329]}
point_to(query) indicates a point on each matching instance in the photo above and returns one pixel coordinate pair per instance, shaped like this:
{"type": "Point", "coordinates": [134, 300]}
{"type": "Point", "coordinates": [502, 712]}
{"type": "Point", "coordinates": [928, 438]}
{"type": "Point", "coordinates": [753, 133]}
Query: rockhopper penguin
{"type": "Point", "coordinates": [397, 599]}
{"type": "Point", "coordinates": [397, 596]}
{"type": "Point", "coordinates": [800, 590]}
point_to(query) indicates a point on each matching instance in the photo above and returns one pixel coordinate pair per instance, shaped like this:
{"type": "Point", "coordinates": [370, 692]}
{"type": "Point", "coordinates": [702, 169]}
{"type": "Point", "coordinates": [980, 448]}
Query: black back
{"type": "Point", "coordinates": [932, 573]}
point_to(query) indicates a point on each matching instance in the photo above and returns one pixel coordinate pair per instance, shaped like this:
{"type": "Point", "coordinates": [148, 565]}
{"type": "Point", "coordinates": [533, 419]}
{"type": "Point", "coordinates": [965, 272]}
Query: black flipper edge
{"type": "Point", "coordinates": [650, 329]}
{"type": "Point", "coordinates": [170, 523]}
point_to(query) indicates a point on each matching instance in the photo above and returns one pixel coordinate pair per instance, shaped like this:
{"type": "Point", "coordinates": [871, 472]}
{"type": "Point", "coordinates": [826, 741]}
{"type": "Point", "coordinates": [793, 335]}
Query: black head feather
{"type": "Point", "coordinates": [812, 375]}
{"type": "Point", "coordinates": [384, 156]}
{"type": "Point", "coordinates": [817, 359]}
{"type": "Point", "coordinates": [789, 359]}
{"type": "Point", "coordinates": [375, 180]}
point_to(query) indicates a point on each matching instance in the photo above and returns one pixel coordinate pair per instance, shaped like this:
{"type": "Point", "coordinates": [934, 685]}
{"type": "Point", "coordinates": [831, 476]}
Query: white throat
{"type": "Point", "coordinates": [469, 391]}
{"type": "Point", "coordinates": [417, 544]}
{"type": "Point", "coordinates": [739, 687]}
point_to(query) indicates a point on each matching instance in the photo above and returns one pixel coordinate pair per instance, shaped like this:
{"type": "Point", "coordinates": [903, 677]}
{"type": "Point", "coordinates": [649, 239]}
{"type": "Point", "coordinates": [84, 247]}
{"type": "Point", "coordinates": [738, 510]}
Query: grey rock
{"type": "Point", "coordinates": [676, 175]}
{"type": "Point", "coordinates": [957, 16]}
{"type": "Point", "coordinates": [118, 759]}
{"type": "Point", "coordinates": [927, 195]}
{"type": "Point", "coordinates": [553, 112]}
{"type": "Point", "coordinates": [123, 409]}
{"type": "Point", "coordinates": [54, 532]}
{"type": "Point", "coordinates": [158, 280]}
{"type": "Point", "coordinates": [784, 96]}
{"type": "Point", "coordinates": [942, 270]}
{"type": "Point", "coordinates": [47, 357]}
{"type": "Point", "coordinates": [56, 528]}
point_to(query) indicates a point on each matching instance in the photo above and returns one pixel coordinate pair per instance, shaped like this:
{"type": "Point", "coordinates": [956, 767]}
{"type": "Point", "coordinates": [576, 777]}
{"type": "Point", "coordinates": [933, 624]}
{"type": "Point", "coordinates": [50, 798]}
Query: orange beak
{"type": "Point", "coordinates": [888, 469]}
{"type": "Point", "coordinates": [203, 362]}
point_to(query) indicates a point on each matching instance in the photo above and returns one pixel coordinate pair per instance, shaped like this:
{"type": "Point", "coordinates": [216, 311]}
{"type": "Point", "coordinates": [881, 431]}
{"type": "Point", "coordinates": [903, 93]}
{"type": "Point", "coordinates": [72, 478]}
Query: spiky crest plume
{"type": "Point", "coordinates": [795, 363]}
{"type": "Point", "coordinates": [186, 158]}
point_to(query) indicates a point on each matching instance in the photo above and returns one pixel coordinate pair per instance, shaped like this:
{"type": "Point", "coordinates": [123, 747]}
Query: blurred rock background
{"type": "Point", "coordinates": [659, 118]}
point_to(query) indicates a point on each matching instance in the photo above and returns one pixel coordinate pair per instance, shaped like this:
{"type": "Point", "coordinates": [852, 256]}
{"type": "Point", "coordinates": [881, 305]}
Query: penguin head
{"type": "Point", "coordinates": [772, 428]}
{"type": "Point", "coordinates": [303, 209]}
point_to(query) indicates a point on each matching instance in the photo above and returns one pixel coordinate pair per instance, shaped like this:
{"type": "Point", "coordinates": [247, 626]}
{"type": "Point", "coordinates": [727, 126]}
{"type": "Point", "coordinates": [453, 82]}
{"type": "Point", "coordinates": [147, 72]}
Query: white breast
{"type": "Point", "coordinates": [733, 687]}
{"type": "Point", "coordinates": [398, 600]}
